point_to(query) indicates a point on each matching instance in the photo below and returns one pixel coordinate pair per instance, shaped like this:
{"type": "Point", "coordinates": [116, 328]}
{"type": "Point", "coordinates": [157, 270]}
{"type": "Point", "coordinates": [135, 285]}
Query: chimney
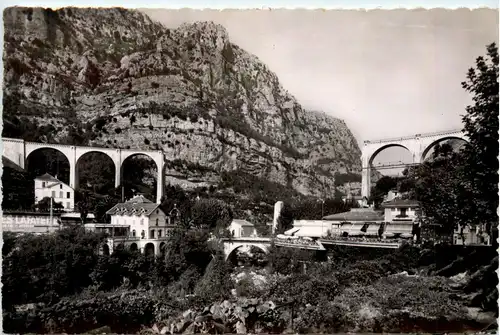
{"type": "Point", "coordinates": [278, 207]}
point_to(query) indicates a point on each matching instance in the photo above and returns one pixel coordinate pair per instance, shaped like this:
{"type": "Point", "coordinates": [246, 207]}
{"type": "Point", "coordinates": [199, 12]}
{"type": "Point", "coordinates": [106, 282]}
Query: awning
{"type": "Point", "coordinates": [76, 215]}
{"type": "Point", "coordinates": [292, 231]}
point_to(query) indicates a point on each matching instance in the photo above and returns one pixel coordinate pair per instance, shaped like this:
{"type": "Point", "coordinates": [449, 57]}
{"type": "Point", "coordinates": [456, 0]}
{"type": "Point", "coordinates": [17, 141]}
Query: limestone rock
{"type": "Point", "coordinates": [190, 91]}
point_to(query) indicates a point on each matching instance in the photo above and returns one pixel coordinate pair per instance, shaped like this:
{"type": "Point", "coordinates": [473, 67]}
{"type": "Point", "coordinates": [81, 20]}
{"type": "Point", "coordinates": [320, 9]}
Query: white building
{"type": "Point", "coordinates": [139, 224]}
{"type": "Point", "coordinates": [242, 228]}
{"type": "Point", "coordinates": [401, 215]}
{"type": "Point", "coordinates": [49, 186]}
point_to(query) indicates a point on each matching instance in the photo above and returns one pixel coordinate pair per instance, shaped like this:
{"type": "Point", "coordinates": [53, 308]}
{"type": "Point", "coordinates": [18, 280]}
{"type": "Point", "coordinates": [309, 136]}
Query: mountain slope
{"type": "Point", "coordinates": [113, 77]}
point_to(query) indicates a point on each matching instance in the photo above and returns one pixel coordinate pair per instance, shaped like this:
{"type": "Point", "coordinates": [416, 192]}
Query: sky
{"type": "Point", "coordinates": [386, 73]}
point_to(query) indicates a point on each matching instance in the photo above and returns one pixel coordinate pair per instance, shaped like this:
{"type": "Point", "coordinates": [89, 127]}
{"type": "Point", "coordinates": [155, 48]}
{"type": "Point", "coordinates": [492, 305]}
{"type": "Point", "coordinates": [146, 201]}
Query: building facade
{"type": "Point", "coordinates": [242, 228]}
{"type": "Point", "coordinates": [401, 217]}
{"type": "Point", "coordinates": [139, 224]}
{"type": "Point", "coordinates": [47, 186]}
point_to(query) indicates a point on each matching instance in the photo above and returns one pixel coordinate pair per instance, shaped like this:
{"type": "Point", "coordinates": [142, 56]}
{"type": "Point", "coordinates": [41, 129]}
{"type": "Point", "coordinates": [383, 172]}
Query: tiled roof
{"type": "Point", "coordinates": [400, 203]}
{"type": "Point", "coordinates": [359, 214]}
{"type": "Point", "coordinates": [135, 206]}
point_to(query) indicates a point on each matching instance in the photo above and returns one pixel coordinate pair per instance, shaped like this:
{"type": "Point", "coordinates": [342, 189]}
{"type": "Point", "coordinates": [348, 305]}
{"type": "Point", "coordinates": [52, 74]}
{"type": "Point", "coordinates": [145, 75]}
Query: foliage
{"type": "Point", "coordinates": [17, 189]}
{"type": "Point", "coordinates": [186, 248]}
{"type": "Point", "coordinates": [96, 171]}
{"type": "Point", "coordinates": [175, 197]}
{"type": "Point", "coordinates": [481, 127]}
{"type": "Point", "coordinates": [344, 178]}
{"type": "Point", "coordinates": [461, 189]}
{"type": "Point", "coordinates": [211, 213]}
{"type": "Point", "coordinates": [258, 189]}
{"type": "Point", "coordinates": [46, 267]}
{"type": "Point", "coordinates": [216, 283]}
{"type": "Point", "coordinates": [84, 204]}
{"type": "Point", "coordinates": [381, 188]}
{"type": "Point", "coordinates": [288, 260]}
{"type": "Point", "coordinates": [441, 189]}
{"type": "Point", "coordinates": [44, 205]}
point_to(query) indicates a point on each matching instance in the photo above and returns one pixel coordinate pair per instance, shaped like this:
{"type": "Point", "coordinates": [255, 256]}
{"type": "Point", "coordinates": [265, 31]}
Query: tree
{"type": "Point", "coordinates": [441, 189]}
{"type": "Point", "coordinates": [85, 205]}
{"type": "Point", "coordinates": [212, 213]}
{"type": "Point", "coordinates": [481, 127]}
{"type": "Point", "coordinates": [285, 220]}
{"type": "Point", "coordinates": [460, 189]}
{"type": "Point", "coordinates": [44, 205]}
{"type": "Point", "coordinates": [382, 187]}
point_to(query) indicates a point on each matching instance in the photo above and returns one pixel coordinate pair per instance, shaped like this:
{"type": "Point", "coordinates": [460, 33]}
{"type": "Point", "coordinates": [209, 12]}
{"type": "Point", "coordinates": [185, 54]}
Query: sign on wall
{"type": "Point", "coordinates": [28, 223]}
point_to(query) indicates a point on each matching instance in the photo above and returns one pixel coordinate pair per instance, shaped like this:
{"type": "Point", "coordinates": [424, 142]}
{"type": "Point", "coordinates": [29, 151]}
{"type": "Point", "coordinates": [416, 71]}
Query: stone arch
{"type": "Point", "coordinates": [127, 157]}
{"type": "Point", "coordinates": [149, 250]}
{"type": "Point", "coordinates": [38, 149]}
{"type": "Point", "coordinates": [236, 247]}
{"type": "Point", "coordinates": [430, 146]}
{"type": "Point", "coordinates": [162, 248]}
{"type": "Point", "coordinates": [374, 154]}
{"type": "Point", "coordinates": [105, 249]}
{"type": "Point", "coordinates": [81, 157]}
{"type": "Point", "coordinates": [133, 247]}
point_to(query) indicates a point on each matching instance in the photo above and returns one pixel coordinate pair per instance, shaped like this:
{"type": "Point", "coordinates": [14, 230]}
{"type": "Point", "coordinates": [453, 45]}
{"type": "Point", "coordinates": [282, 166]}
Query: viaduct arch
{"type": "Point", "coordinates": [18, 150]}
{"type": "Point", "coordinates": [418, 145]}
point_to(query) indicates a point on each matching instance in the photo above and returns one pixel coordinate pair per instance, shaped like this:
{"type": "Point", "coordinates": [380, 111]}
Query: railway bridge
{"type": "Point", "coordinates": [18, 151]}
{"type": "Point", "coordinates": [418, 145]}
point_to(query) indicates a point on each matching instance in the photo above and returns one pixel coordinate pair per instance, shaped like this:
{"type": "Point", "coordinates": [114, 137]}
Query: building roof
{"type": "Point", "coordinates": [138, 205]}
{"type": "Point", "coordinates": [74, 215]}
{"type": "Point", "coordinates": [47, 177]}
{"type": "Point", "coordinates": [395, 203]}
{"type": "Point", "coordinates": [357, 214]}
{"type": "Point", "coordinates": [243, 223]}
{"type": "Point", "coordinates": [10, 164]}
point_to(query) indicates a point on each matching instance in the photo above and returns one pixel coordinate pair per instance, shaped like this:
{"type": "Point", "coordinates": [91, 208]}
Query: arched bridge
{"type": "Point", "coordinates": [264, 243]}
{"type": "Point", "coordinates": [418, 145]}
{"type": "Point", "coordinates": [18, 151]}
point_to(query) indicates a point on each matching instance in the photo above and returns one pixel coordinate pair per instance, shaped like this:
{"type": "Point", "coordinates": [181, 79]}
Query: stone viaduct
{"type": "Point", "coordinates": [18, 151]}
{"type": "Point", "coordinates": [418, 145]}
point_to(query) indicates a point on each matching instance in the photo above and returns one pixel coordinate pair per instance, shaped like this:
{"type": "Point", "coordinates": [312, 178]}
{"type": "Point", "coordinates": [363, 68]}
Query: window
{"type": "Point", "coordinates": [133, 233]}
{"type": "Point", "coordinates": [67, 205]}
{"type": "Point", "coordinates": [143, 234]}
{"type": "Point", "coordinates": [60, 187]}
{"type": "Point", "coordinates": [152, 234]}
{"type": "Point", "coordinates": [68, 195]}
{"type": "Point", "coordinates": [53, 194]}
{"type": "Point", "coordinates": [403, 211]}
{"type": "Point", "coordinates": [60, 194]}
{"type": "Point", "coordinates": [142, 222]}
{"type": "Point", "coordinates": [157, 221]}
{"type": "Point", "coordinates": [43, 184]}
{"type": "Point", "coordinates": [159, 233]}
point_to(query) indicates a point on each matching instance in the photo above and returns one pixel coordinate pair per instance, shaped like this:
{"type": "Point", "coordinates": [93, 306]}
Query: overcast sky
{"type": "Point", "coordinates": [386, 73]}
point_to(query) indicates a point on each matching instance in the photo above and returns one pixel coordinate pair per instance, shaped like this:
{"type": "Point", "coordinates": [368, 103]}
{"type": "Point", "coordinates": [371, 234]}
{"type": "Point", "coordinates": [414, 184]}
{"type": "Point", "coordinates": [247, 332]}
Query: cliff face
{"type": "Point", "coordinates": [113, 77]}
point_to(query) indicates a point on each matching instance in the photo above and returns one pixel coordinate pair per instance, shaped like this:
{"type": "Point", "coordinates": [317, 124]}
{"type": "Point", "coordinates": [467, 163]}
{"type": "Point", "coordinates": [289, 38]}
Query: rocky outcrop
{"type": "Point", "coordinates": [113, 77]}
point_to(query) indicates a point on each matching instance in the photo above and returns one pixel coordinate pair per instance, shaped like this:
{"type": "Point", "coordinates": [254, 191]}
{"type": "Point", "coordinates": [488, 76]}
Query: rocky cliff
{"type": "Point", "coordinates": [113, 77]}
